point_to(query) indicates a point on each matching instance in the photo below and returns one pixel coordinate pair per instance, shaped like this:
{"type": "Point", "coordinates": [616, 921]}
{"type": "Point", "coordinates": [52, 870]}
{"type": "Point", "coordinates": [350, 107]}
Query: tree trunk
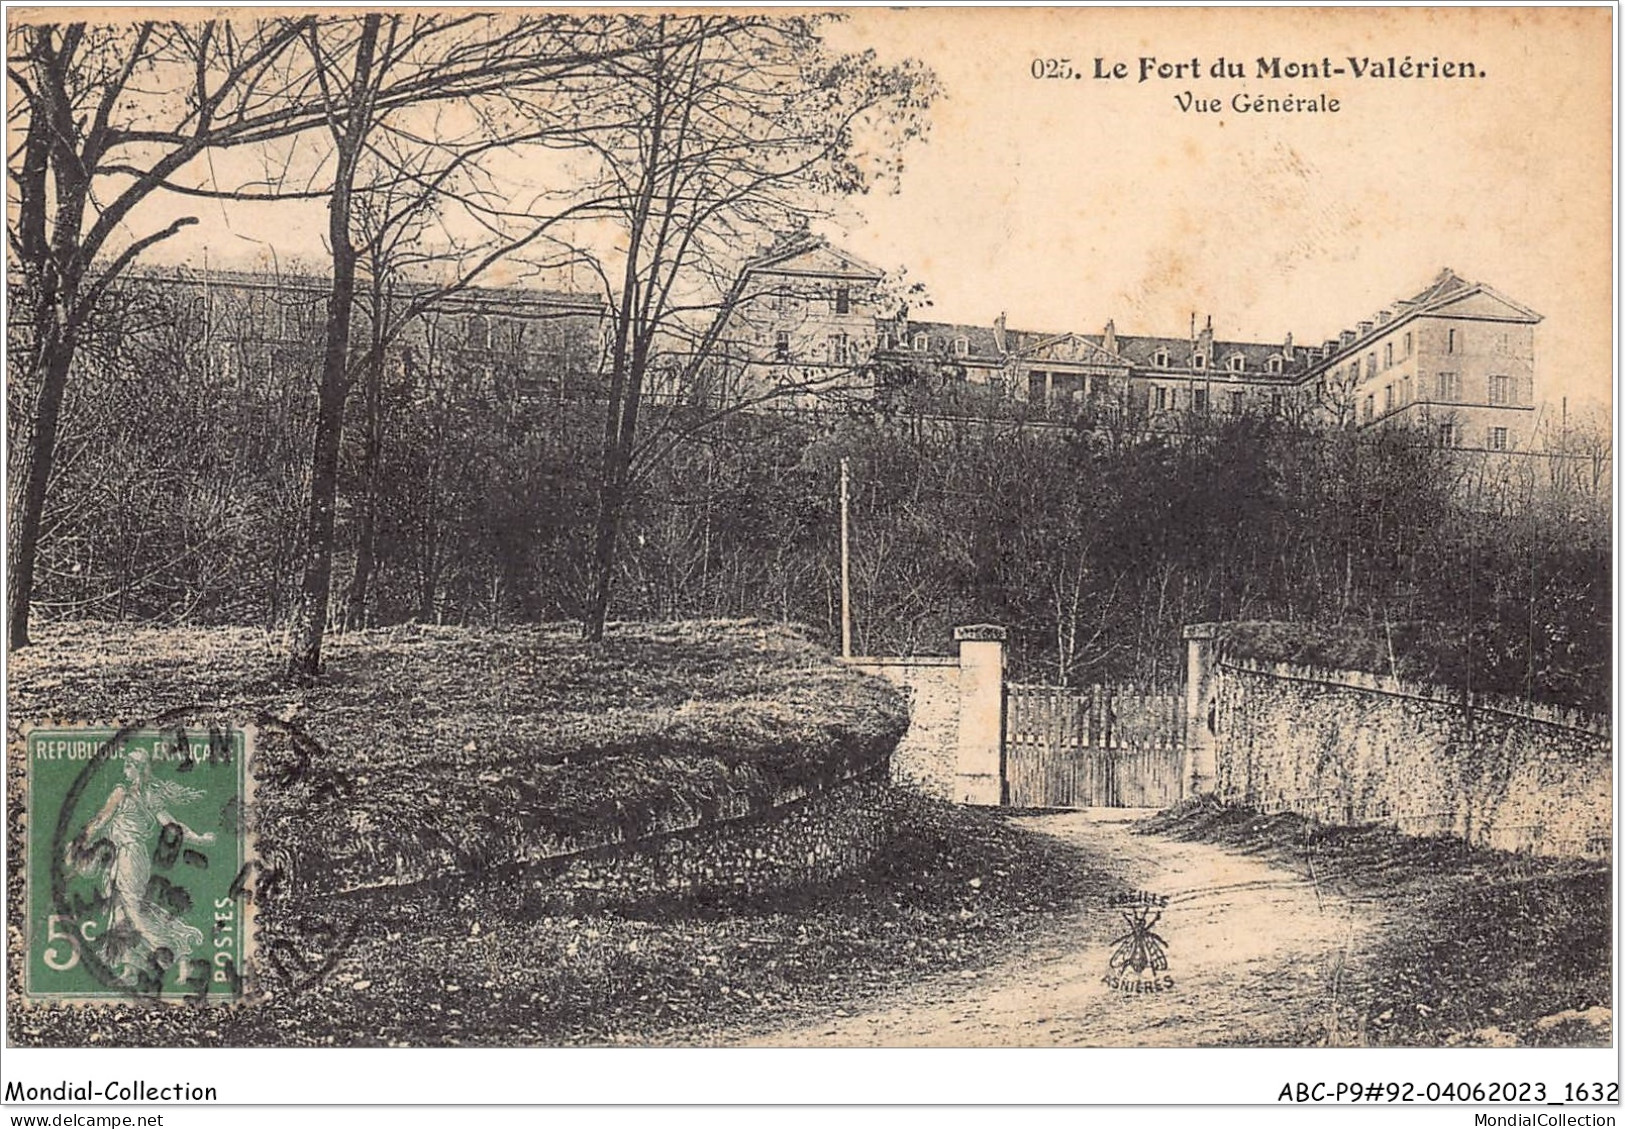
{"type": "Point", "coordinates": [611, 502]}
{"type": "Point", "coordinates": [310, 621]}
{"type": "Point", "coordinates": [57, 357]}
{"type": "Point", "coordinates": [366, 537]}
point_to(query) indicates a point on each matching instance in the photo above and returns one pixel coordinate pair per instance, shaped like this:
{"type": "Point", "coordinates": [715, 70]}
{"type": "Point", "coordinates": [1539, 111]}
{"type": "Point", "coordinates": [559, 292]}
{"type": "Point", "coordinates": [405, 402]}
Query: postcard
{"type": "Point", "coordinates": [753, 531]}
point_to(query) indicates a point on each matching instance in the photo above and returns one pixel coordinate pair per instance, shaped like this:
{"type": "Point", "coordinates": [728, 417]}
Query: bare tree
{"type": "Point", "coordinates": [95, 142]}
{"type": "Point", "coordinates": [382, 80]}
{"type": "Point", "coordinates": [737, 128]}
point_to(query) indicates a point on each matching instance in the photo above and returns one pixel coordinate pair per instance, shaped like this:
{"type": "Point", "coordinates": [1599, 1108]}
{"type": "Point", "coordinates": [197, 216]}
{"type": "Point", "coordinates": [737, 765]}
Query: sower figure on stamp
{"type": "Point", "coordinates": [118, 844]}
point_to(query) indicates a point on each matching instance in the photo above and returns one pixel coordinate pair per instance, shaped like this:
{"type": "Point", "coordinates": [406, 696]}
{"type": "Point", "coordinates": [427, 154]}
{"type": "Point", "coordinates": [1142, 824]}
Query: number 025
{"type": "Point", "coordinates": [1051, 68]}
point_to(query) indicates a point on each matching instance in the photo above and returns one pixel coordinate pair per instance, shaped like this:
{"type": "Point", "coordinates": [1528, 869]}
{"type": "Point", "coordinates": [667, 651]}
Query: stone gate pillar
{"type": "Point", "coordinates": [1201, 745]}
{"type": "Point", "coordinates": [978, 775]}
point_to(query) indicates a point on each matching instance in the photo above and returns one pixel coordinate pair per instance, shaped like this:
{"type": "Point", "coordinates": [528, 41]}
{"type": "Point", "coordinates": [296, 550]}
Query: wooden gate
{"type": "Point", "coordinates": [1104, 746]}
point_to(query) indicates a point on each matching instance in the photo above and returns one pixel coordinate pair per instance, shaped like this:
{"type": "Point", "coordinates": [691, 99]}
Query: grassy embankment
{"type": "Point", "coordinates": [1476, 947]}
{"type": "Point", "coordinates": [444, 753]}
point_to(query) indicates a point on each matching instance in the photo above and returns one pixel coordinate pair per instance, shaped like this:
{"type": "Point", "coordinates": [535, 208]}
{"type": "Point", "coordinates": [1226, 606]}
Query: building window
{"type": "Point", "coordinates": [843, 301]}
{"type": "Point", "coordinates": [1405, 390]}
{"type": "Point", "coordinates": [1370, 408]}
{"type": "Point", "coordinates": [1500, 390]}
{"type": "Point", "coordinates": [1160, 395]}
{"type": "Point", "coordinates": [920, 342]}
{"type": "Point", "coordinates": [1388, 355]}
{"type": "Point", "coordinates": [1199, 399]}
{"type": "Point", "coordinates": [1447, 435]}
{"type": "Point", "coordinates": [1449, 386]}
{"type": "Point", "coordinates": [1450, 341]}
{"type": "Point", "coordinates": [1498, 438]}
{"type": "Point", "coordinates": [1275, 403]}
{"type": "Point", "coordinates": [1388, 398]}
{"type": "Point", "coordinates": [1037, 387]}
{"type": "Point", "coordinates": [1276, 364]}
{"type": "Point", "coordinates": [1199, 361]}
{"type": "Point", "coordinates": [837, 349]}
{"type": "Point", "coordinates": [1238, 363]}
{"type": "Point", "coordinates": [1160, 358]}
{"type": "Point", "coordinates": [781, 345]}
{"type": "Point", "coordinates": [882, 341]}
{"type": "Point", "coordinates": [1371, 364]}
{"type": "Point", "coordinates": [1407, 344]}
{"type": "Point", "coordinates": [961, 346]}
{"type": "Point", "coordinates": [1236, 401]}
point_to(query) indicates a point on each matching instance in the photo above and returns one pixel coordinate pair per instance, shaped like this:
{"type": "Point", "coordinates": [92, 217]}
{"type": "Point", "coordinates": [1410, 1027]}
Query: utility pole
{"type": "Point", "coordinates": [846, 573]}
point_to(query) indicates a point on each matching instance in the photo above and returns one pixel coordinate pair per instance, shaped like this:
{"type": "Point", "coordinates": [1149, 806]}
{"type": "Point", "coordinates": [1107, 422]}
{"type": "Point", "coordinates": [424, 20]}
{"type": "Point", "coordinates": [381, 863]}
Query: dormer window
{"type": "Point", "coordinates": [1276, 364]}
{"type": "Point", "coordinates": [921, 342]}
{"type": "Point", "coordinates": [1160, 358]}
{"type": "Point", "coordinates": [1199, 361]}
{"type": "Point", "coordinates": [961, 346]}
{"type": "Point", "coordinates": [1238, 363]}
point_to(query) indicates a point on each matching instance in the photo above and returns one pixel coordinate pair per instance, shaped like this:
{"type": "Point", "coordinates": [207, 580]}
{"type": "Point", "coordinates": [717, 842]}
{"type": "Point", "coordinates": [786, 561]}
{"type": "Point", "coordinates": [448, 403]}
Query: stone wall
{"type": "Point", "coordinates": [954, 747]}
{"type": "Point", "coordinates": [1349, 747]}
{"type": "Point", "coordinates": [927, 755]}
{"type": "Point", "coordinates": [813, 838]}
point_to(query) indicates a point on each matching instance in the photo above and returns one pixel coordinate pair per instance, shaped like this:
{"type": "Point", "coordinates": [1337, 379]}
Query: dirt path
{"type": "Point", "coordinates": [1256, 953]}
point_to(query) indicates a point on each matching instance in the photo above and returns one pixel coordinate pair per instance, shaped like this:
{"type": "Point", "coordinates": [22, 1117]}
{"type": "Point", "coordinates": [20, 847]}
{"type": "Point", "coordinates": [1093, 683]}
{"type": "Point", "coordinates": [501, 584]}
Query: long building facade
{"type": "Point", "coordinates": [810, 325]}
{"type": "Point", "coordinates": [1456, 360]}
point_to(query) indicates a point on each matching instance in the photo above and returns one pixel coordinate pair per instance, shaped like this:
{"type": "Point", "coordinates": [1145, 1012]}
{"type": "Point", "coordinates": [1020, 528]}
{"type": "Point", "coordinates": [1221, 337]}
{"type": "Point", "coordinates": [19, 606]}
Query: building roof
{"type": "Point", "coordinates": [981, 339]}
{"type": "Point", "coordinates": [482, 298]}
{"type": "Point", "coordinates": [1446, 289]}
{"type": "Point", "coordinates": [781, 257]}
{"type": "Point", "coordinates": [1139, 352]}
{"type": "Point", "coordinates": [1445, 283]}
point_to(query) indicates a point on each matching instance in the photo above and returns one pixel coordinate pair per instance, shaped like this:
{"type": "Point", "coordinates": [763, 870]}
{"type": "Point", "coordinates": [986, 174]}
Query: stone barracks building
{"type": "Point", "coordinates": [1455, 360]}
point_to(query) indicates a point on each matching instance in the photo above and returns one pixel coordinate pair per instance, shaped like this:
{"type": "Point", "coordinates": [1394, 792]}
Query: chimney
{"type": "Point", "coordinates": [998, 333]}
{"type": "Point", "coordinates": [1286, 349]}
{"type": "Point", "coordinates": [1109, 340]}
{"type": "Point", "coordinates": [1204, 342]}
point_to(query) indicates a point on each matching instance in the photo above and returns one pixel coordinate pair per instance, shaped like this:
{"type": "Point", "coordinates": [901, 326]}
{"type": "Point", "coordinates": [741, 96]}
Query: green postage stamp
{"type": "Point", "coordinates": [137, 856]}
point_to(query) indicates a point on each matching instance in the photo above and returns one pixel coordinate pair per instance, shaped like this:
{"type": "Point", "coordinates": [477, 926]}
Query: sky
{"type": "Point", "coordinates": [1063, 202]}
